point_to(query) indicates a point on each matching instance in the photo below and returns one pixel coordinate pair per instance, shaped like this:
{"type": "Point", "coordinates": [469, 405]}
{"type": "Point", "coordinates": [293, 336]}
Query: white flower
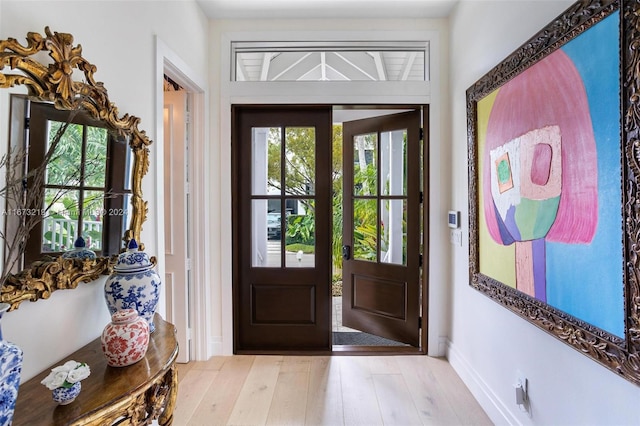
{"type": "Point", "coordinates": [66, 367]}
{"type": "Point", "coordinates": [55, 379]}
{"type": "Point", "coordinates": [66, 375]}
{"type": "Point", "coordinates": [79, 373]}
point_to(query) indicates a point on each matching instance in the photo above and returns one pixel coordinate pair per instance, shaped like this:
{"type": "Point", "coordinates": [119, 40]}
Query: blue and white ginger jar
{"type": "Point", "coordinates": [65, 396]}
{"type": "Point", "coordinates": [79, 251]}
{"type": "Point", "coordinates": [134, 284]}
{"type": "Point", "coordinates": [10, 368]}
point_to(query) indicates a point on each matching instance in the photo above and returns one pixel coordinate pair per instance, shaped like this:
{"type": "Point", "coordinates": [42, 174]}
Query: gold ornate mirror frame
{"type": "Point", "coordinates": [54, 82]}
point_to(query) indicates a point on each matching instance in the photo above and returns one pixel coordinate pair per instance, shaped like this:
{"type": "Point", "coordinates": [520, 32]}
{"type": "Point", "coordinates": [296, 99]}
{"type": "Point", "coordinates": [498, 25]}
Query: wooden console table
{"type": "Point", "coordinates": [133, 395]}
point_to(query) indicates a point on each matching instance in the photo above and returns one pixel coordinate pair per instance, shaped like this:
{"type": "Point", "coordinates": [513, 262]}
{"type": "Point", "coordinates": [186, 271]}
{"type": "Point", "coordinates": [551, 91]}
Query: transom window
{"type": "Point", "coordinates": [330, 61]}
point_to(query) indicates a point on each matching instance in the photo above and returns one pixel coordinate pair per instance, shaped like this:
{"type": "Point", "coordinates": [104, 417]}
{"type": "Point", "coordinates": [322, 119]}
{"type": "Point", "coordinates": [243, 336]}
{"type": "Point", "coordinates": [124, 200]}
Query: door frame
{"type": "Point", "coordinates": [338, 93]}
{"type": "Point", "coordinates": [427, 346]}
{"type": "Point", "coordinates": [171, 64]}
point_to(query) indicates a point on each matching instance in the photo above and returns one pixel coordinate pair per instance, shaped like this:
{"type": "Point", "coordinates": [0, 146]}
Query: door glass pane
{"type": "Point", "coordinates": [393, 231]}
{"type": "Point", "coordinates": [393, 160]}
{"type": "Point", "coordinates": [265, 160]}
{"type": "Point", "coordinates": [265, 236]}
{"type": "Point", "coordinates": [365, 177]}
{"type": "Point", "coordinates": [365, 229]}
{"type": "Point", "coordinates": [300, 158]}
{"type": "Point", "coordinates": [301, 234]}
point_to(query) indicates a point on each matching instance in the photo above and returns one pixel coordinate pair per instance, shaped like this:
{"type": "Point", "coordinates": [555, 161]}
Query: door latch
{"type": "Point", "coordinates": [346, 252]}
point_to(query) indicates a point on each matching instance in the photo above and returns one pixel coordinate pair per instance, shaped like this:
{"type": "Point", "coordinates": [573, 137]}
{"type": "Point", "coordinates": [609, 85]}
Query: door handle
{"type": "Point", "coordinates": [346, 252]}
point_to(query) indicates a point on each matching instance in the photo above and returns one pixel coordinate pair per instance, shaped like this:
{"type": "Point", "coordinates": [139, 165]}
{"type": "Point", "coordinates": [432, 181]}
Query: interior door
{"type": "Point", "coordinates": [281, 228]}
{"type": "Point", "coordinates": [176, 214]}
{"type": "Point", "coordinates": [381, 231]}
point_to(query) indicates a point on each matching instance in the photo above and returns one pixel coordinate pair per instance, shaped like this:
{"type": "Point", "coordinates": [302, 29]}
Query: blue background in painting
{"type": "Point", "coordinates": [585, 280]}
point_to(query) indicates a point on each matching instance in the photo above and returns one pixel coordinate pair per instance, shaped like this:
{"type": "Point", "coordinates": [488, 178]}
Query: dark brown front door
{"type": "Point", "coordinates": [381, 234]}
{"type": "Point", "coordinates": [281, 231]}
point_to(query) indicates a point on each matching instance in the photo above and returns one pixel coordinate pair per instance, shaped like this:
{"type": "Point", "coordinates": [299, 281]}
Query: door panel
{"type": "Point", "coordinates": [282, 159]}
{"type": "Point", "coordinates": [381, 233]}
{"type": "Point", "coordinates": [176, 214]}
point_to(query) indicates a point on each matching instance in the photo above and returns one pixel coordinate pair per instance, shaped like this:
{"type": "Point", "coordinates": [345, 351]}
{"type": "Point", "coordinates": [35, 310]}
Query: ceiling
{"type": "Point", "coordinates": [271, 9]}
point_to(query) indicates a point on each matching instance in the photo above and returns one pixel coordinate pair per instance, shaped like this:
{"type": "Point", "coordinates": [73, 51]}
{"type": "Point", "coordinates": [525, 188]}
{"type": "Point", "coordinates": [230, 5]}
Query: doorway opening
{"type": "Point", "coordinates": [350, 173]}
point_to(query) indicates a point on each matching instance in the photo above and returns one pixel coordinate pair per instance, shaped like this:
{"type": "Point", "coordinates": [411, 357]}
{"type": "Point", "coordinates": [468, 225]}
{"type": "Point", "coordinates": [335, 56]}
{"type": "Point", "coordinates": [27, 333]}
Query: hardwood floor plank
{"type": "Point", "coordinates": [433, 407]}
{"type": "Point", "coordinates": [219, 400]}
{"type": "Point", "coordinates": [252, 390]}
{"type": "Point", "coordinates": [289, 403]}
{"type": "Point", "coordinates": [324, 399]}
{"type": "Point", "coordinates": [360, 404]}
{"type": "Point", "coordinates": [183, 369]}
{"type": "Point", "coordinates": [453, 388]}
{"type": "Point", "coordinates": [296, 364]}
{"type": "Point", "coordinates": [192, 389]}
{"type": "Point", "coordinates": [383, 365]}
{"type": "Point", "coordinates": [254, 400]}
{"type": "Point", "coordinates": [438, 402]}
{"type": "Point", "coordinates": [214, 363]}
{"type": "Point", "coordinates": [395, 401]}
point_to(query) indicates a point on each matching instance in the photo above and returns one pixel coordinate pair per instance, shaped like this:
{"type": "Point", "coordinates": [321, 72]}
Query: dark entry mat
{"type": "Point", "coordinates": [354, 338]}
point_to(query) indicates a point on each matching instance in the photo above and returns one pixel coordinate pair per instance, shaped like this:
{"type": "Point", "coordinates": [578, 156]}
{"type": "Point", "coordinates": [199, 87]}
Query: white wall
{"type": "Point", "coordinates": [488, 343]}
{"type": "Point", "coordinates": [119, 38]}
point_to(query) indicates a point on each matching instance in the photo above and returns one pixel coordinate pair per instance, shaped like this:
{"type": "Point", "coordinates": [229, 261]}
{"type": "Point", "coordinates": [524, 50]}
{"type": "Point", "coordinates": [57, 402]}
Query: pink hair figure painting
{"type": "Point", "coordinates": [539, 165]}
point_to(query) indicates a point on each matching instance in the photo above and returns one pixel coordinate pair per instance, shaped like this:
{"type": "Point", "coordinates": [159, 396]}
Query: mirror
{"type": "Point", "coordinates": [53, 82]}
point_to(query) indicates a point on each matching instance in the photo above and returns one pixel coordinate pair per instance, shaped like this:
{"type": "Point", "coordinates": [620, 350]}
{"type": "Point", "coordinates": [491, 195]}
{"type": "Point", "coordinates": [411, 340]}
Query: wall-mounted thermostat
{"type": "Point", "coordinates": [454, 219]}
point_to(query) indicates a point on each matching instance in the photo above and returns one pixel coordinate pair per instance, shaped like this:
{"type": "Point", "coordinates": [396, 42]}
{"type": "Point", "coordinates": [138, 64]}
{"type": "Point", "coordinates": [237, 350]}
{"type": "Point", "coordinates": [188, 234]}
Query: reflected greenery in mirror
{"type": "Point", "coordinates": [54, 82]}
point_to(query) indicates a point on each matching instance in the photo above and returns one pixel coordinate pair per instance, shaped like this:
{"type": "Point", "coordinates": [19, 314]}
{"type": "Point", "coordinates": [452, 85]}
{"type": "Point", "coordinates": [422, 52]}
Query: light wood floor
{"type": "Point", "coordinates": [324, 390]}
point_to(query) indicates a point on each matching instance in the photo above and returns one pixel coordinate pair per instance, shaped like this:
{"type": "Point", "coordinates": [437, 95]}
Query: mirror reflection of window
{"type": "Point", "coordinates": [85, 191]}
{"type": "Point", "coordinates": [75, 213]}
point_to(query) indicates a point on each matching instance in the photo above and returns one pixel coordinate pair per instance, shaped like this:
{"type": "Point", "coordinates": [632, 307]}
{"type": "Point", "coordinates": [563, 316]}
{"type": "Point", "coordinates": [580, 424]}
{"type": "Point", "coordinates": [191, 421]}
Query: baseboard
{"type": "Point", "coordinates": [497, 411]}
{"type": "Point", "coordinates": [215, 346]}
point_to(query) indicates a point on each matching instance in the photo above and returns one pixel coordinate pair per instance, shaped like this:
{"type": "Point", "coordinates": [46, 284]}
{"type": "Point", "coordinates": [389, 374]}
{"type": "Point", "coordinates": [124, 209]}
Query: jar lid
{"type": "Point", "coordinates": [133, 260]}
{"type": "Point", "coordinates": [124, 315]}
{"type": "Point", "coordinates": [79, 251]}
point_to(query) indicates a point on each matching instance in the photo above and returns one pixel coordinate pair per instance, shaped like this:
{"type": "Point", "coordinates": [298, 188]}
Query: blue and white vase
{"type": "Point", "coordinates": [134, 284]}
{"type": "Point", "coordinates": [10, 368]}
{"type": "Point", "coordinates": [64, 396]}
{"type": "Point", "coordinates": [79, 251]}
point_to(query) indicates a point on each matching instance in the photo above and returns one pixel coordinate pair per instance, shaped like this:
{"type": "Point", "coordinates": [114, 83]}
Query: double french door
{"type": "Point", "coordinates": [283, 196]}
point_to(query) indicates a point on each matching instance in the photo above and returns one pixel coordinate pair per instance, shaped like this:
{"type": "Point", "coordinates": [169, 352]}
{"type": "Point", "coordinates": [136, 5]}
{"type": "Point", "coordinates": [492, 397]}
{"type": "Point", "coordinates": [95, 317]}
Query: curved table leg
{"type": "Point", "coordinates": [171, 379]}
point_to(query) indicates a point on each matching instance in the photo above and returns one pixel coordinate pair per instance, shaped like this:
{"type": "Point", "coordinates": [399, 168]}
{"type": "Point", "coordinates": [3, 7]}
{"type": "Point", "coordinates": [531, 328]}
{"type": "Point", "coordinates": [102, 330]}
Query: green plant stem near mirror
{"type": "Point", "coordinates": [52, 81]}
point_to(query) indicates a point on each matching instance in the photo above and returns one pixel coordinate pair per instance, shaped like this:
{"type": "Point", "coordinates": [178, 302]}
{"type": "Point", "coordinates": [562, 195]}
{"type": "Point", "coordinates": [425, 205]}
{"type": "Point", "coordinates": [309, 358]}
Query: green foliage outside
{"type": "Point", "coordinates": [301, 229]}
{"type": "Point", "coordinates": [299, 178]}
{"type": "Point", "coordinates": [297, 247]}
{"type": "Point", "coordinates": [63, 172]}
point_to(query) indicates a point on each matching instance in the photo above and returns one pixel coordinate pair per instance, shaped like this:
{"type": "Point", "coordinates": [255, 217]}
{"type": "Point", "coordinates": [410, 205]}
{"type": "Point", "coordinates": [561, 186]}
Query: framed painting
{"type": "Point", "coordinates": [554, 167]}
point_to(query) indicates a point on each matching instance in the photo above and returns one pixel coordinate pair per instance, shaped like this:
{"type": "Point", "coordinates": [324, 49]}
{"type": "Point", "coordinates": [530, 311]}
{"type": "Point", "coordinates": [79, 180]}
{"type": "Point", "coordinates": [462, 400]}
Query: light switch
{"type": "Point", "coordinates": [456, 237]}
